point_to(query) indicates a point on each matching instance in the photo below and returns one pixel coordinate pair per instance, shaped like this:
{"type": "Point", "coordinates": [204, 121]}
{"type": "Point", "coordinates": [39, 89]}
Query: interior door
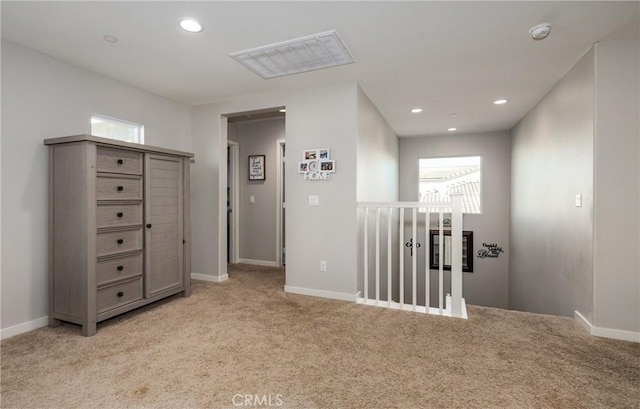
{"type": "Point", "coordinates": [163, 224]}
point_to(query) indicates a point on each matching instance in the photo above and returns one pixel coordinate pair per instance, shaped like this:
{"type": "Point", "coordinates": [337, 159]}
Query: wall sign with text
{"type": "Point", "coordinates": [256, 167]}
{"type": "Point", "coordinates": [316, 164]}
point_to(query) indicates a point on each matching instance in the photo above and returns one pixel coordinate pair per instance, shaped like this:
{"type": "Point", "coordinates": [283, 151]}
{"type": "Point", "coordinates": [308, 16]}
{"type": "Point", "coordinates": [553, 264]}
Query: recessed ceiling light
{"type": "Point", "coordinates": [500, 101]}
{"type": "Point", "coordinates": [190, 25]}
{"type": "Point", "coordinates": [416, 110]}
{"type": "Point", "coordinates": [452, 115]}
{"type": "Point", "coordinates": [282, 110]}
{"type": "Point", "coordinates": [541, 31]}
{"type": "Point", "coordinates": [452, 129]}
{"type": "Point", "coordinates": [110, 39]}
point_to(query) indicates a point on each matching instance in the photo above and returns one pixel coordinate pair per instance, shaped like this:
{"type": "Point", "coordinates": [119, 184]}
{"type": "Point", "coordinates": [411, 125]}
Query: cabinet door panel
{"type": "Point", "coordinates": [163, 212]}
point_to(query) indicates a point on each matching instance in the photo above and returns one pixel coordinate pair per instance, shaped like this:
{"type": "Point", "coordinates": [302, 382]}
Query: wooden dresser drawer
{"type": "Point", "coordinates": [120, 268]}
{"type": "Point", "coordinates": [116, 215]}
{"type": "Point", "coordinates": [119, 294]}
{"type": "Point", "coordinates": [114, 188]}
{"type": "Point", "coordinates": [119, 242]}
{"type": "Point", "coordinates": [119, 161]}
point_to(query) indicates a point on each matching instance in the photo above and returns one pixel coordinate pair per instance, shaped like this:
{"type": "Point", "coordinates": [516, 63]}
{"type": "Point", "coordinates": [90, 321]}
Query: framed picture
{"type": "Point", "coordinates": [327, 165]}
{"type": "Point", "coordinates": [324, 154]}
{"type": "Point", "coordinates": [310, 154]}
{"type": "Point", "coordinates": [302, 167]}
{"type": "Point", "coordinates": [467, 250]}
{"type": "Point", "coordinates": [256, 167]}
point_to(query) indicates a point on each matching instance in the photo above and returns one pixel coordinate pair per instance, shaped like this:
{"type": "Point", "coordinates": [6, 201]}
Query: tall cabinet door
{"type": "Point", "coordinates": [163, 224]}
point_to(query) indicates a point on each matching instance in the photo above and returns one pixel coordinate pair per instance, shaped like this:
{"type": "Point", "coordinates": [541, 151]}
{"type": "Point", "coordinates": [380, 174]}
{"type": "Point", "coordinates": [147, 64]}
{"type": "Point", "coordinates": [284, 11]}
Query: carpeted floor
{"type": "Point", "coordinates": [247, 337]}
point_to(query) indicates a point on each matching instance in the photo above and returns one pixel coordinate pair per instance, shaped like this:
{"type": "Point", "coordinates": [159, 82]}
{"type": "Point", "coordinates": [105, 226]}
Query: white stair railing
{"type": "Point", "coordinates": [373, 263]}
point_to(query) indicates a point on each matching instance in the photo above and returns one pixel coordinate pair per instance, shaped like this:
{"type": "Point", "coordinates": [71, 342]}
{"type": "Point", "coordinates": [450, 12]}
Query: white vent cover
{"type": "Point", "coordinates": [314, 52]}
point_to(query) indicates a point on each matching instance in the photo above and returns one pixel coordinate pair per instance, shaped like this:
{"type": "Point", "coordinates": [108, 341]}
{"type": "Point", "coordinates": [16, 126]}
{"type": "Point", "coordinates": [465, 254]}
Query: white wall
{"type": "Point", "coordinates": [323, 117]}
{"type": "Point", "coordinates": [550, 268]}
{"type": "Point", "coordinates": [488, 284]}
{"type": "Point", "coordinates": [258, 220]}
{"type": "Point", "coordinates": [45, 98]}
{"type": "Point", "coordinates": [378, 155]}
{"type": "Point", "coordinates": [616, 287]}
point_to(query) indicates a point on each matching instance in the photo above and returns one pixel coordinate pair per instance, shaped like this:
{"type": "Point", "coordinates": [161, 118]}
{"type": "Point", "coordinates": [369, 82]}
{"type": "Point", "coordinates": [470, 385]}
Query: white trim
{"type": "Point", "coordinates": [209, 278]}
{"type": "Point", "coordinates": [24, 327]}
{"type": "Point", "coordinates": [279, 202]}
{"type": "Point", "coordinates": [320, 293]}
{"type": "Point", "coordinates": [620, 334]}
{"type": "Point", "coordinates": [235, 201]}
{"type": "Point", "coordinates": [258, 262]}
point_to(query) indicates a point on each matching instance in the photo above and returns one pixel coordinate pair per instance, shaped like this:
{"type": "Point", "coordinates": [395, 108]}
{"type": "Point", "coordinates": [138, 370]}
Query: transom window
{"type": "Point", "coordinates": [439, 177]}
{"type": "Point", "coordinates": [117, 129]}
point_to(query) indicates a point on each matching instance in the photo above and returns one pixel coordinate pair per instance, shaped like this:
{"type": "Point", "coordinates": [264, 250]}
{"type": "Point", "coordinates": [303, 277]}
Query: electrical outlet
{"type": "Point", "coordinates": [323, 265]}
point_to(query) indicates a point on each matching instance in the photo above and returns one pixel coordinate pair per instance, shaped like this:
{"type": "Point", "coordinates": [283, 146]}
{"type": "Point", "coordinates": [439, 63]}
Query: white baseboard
{"type": "Point", "coordinates": [320, 293]}
{"type": "Point", "coordinates": [24, 327]}
{"type": "Point", "coordinates": [209, 278]}
{"type": "Point", "coordinates": [258, 262]}
{"type": "Point", "coordinates": [620, 334]}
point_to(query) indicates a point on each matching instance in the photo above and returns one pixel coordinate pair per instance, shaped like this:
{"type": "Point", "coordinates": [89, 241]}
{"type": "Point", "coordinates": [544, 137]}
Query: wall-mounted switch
{"type": "Point", "coordinates": [314, 200]}
{"type": "Point", "coordinates": [252, 199]}
{"type": "Point", "coordinates": [578, 200]}
{"type": "Point", "coordinates": [323, 265]}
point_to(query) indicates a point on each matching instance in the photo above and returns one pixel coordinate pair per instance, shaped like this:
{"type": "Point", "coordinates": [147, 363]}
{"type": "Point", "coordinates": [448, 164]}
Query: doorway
{"type": "Point", "coordinates": [254, 236]}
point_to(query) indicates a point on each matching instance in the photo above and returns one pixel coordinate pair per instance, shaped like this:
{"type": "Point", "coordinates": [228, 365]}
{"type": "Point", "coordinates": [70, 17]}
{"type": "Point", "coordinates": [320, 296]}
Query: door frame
{"type": "Point", "coordinates": [233, 181]}
{"type": "Point", "coordinates": [280, 202]}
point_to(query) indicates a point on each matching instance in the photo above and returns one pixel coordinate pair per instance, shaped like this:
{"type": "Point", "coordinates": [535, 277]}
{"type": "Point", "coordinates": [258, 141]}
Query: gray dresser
{"type": "Point", "coordinates": [118, 228]}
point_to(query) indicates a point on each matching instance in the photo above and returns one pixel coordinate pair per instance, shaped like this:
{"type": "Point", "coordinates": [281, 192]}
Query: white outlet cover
{"type": "Point", "coordinates": [578, 200]}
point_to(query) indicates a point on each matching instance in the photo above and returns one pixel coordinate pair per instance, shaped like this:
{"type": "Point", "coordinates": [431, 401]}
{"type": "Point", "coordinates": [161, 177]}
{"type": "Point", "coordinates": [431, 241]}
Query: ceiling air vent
{"type": "Point", "coordinates": [314, 52]}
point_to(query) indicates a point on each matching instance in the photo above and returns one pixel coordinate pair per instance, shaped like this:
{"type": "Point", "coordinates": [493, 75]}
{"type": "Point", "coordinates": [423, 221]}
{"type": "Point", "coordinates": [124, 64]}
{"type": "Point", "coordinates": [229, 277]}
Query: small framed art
{"type": "Point", "coordinates": [256, 167]}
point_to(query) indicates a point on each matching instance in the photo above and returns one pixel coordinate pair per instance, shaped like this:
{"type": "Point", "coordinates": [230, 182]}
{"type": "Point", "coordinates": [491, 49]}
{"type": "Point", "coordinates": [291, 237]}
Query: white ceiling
{"type": "Point", "coordinates": [445, 57]}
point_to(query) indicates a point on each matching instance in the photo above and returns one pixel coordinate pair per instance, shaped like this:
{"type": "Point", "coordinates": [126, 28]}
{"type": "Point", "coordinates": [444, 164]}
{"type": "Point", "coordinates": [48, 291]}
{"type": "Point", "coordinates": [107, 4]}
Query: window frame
{"type": "Point", "coordinates": [112, 120]}
{"type": "Point", "coordinates": [481, 178]}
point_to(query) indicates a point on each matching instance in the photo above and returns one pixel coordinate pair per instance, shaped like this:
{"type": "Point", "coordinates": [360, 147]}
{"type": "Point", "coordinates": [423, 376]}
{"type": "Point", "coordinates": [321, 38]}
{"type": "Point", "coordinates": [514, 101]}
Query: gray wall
{"type": "Point", "coordinates": [487, 285]}
{"type": "Point", "coordinates": [323, 117]}
{"type": "Point", "coordinates": [258, 220]}
{"type": "Point", "coordinates": [616, 220]}
{"type": "Point", "coordinates": [45, 98]}
{"type": "Point", "coordinates": [550, 268]}
{"type": "Point", "coordinates": [378, 155]}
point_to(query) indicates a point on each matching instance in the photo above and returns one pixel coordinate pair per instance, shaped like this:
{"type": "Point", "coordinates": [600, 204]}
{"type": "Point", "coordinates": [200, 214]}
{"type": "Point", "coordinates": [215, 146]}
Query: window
{"type": "Point", "coordinates": [117, 129]}
{"type": "Point", "coordinates": [441, 176]}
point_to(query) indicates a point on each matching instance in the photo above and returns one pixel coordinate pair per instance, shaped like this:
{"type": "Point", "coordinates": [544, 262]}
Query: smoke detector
{"type": "Point", "coordinates": [541, 31]}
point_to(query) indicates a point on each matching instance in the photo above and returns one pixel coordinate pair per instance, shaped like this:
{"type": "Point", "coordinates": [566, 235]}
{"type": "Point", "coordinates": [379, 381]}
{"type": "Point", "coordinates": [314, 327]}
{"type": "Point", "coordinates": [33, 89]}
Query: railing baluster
{"type": "Point", "coordinates": [414, 258]}
{"type": "Point", "coordinates": [366, 254]}
{"type": "Point", "coordinates": [401, 234]}
{"type": "Point", "coordinates": [427, 267]}
{"type": "Point", "coordinates": [456, 252]}
{"type": "Point", "coordinates": [377, 256]}
{"type": "Point", "coordinates": [440, 260]}
{"type": "Point", "coordinates": [389, 255]}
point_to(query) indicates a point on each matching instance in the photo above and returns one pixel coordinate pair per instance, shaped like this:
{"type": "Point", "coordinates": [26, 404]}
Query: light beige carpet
{"type": "Point", "coordinates": [247, 337]}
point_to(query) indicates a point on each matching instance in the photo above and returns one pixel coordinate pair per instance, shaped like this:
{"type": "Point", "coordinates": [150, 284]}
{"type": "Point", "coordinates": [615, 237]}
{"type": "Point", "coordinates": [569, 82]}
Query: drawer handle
{"type": "Point", "coordinates": [120, 268]}
{"type": "Point", "coordinates": [120, 214]}
{"type": "Point", "coordinates": [120, 293]}
{"type": "Point", "coordinates": [120, 188]}
{"type": "Point", "coordinates": [120, 161]}
{"type": "Point", "coordinates": [120, 241]}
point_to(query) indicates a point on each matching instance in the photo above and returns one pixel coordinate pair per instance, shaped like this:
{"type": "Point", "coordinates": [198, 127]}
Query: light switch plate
{"type": "Point", "coordinates": [252, 199]}
{"type": "Point", "coordinates": [314, 200]}
{"type": "Point", "coordinates": [578, 200]}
